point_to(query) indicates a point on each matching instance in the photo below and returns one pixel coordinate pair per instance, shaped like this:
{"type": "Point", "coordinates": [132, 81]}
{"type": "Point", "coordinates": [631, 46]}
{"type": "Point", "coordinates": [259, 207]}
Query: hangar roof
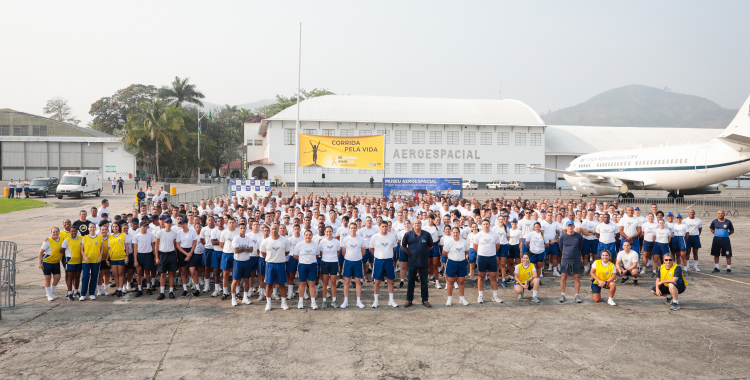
{"type": "Point", "coordinates": [403, 110]}
{"type": "Point", "coordinates": [579, 140]}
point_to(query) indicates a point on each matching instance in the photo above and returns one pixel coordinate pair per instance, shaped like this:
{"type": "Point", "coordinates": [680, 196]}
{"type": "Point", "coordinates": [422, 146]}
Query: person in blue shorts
{"type": "Point", "coordinates": [401, 253]}
{"type": "Point", "coordinates": [353, 247]}
{"type": "Point", "coordinates": [590, 242]}
{"type": "Point", "coordinates": [472, 252]}
{"type": "Point", "coordinates": [329, 251]}
{"type": "Point", "coordinates": [275, 249]}
{"type": "Point", "coordinates": [456, 250]}
{"type": "Point", "coordinates": [661, 239]}
{"type": "Point", "coordinates": [384, 247]}
{"type": "Point", "coordinates": [695, 227]}
{"type": "Point", "coordinates": [721, 228]}
{"type": "Point", "coordinates": [671, 282]}
{"type": "Point", "coordinates": [607, 233]}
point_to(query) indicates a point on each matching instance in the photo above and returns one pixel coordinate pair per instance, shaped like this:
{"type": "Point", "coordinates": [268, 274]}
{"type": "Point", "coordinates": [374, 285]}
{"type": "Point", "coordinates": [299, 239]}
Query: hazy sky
{"type": "Point", "coordinates": [549, 55]}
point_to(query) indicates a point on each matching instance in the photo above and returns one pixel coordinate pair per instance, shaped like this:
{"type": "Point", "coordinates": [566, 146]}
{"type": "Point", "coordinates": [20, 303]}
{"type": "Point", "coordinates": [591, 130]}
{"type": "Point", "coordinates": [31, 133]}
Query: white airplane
{"type": "Point", "coordinates": [688, 169]}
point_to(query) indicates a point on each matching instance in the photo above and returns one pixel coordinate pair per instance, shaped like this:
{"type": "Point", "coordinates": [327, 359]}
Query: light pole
{"type": "Point", "coordinates": [199, 145]}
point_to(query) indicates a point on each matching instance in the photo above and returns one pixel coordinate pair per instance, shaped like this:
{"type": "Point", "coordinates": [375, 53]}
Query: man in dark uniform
{"type": "Point", "coordinates": [721, 228]}
{"type": "Point", "coordinates": [417, 245]}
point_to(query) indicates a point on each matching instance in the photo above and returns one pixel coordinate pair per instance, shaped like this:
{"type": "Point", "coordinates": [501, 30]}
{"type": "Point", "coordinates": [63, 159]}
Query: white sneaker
{"type": "Point", "coordinates": [392, 303]}
{"type": "Point", "coordinates": [375, 305]}
{"type": "Point", "coordinates": [643, 270]}
{"type": "Point", "coordinates": [437, 285]}
{"type": "Point", "coordinates": [290, 295]}
{"type": "Point", "coordinates": [216, 293]}
{"type": "Point", "coordinates": [98, 291]}
{"type": "Point", "coordinates": [234, 300]}
{"type": "Point", "coordinates": [313, 304]}
{"type": "Point", "coordinates": [268, 307]}
{"type": "Point", "coordinates": [541, 275]}
{"type": "Point", "coordinates": [695, 268]}
{"type": "Point", "coordinates": [54, 297]}
{"type": "Point", "coordinates": [611, 302]}
{"type": "Point", "coordinates": [106, 292]}
{"type": "Point", "coordinates": [480, 299]}
{"type": "Point", "coordinates": [306, 296]}
{"type": "Point", "coordinates": [82, 298]}
{"type": "Point", "coordinates": [300, 305]}
{"type": "Point", "coordinates": [284, 306]}
{"type": "Point", "coordinates": [360, 305]}
{"type": "Point", "coordinates": [497, 299]}
{"type": "Point", "coordinates": [344, 305]}
{"type": "Point", "coordinates": [50, 298]}
{"type": "Point", "coordinates": [91, 297]}
{"type": "Point", "coordinates": [448, 303]}
{"type": "Point", "coordinates": [246, 300]}
{"type": "Point", "coordinates": [128, 288]}
{"type": "Point", "coordinates": [464, 302]}
{"type": "Point", "coordinates": [206, 287]}
{"type": "Point", "coordinates": [200, 282]}
{"type": "Point", "coordinates": [275, 296]}
{"type": "Point", "coordinates": [556, 273]}
{"type": "Point", "coordinates": [190, 283]}
{"type": "Point", "coordinates": [455, 285]}
{"type": "Point", "coordinates": [261, 297]}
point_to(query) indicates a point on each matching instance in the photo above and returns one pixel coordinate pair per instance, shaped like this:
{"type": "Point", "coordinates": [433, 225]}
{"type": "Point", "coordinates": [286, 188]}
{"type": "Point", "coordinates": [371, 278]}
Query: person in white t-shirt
{"type": "Point", "coordinates": [166, 261]}
{"type": "Point", "coordinates": [693, 243]}
{"type": "Point", "coordinates": [456, 250]}
{"type": "Point", "coordinates": [353, 247]}
{"type": "Point", "coordinates": [383, 246]}
{"type": "Point", "coordinates": [627, 264]}
{"type": "Point", "coordinates": [243, 246]}
{"type": "Point", "coordinates": [188, 240]}
{"type": "Point", "coordinates": [329, 251]}
{"type": "Point", "coordinates": [274, 249]}
{"type": "Point", "coordinates": [306, 253]}
{"type": "Point", "coordinates": [487, 243]}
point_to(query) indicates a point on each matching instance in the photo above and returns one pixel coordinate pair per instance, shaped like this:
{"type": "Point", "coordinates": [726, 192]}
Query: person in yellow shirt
{"type": "Point", "coordinates": [72, 247]}
{"type": "Point", "coordinates": [50, 256]}
{"type": "Point", "coordinates": [91, 252]}
{"type": "Point", "coordinates": [105, 270]}
{"type": "Point", "coordinates": [118, 256]}
{"type": "Point", "coordinates": [670, 282]}
{"type": "Point", "coordinates": [603, 276]}
{"type": "Point", "coordinates": [526, 278]}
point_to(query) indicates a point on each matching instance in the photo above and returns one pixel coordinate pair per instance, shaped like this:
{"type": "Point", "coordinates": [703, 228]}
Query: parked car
{"type": "Point", "coordinates": [497, 185]}
{"type": "Point", "coordinates": [44, 186]}
{"type": "Point", "coordinates": [516, 185]}
{"type": "Point", "coordinates": [469, 184]}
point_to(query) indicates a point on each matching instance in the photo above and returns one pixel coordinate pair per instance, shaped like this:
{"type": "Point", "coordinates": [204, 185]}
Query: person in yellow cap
{"type": "Point", "coordinates": [50, 256]}
{"type": "Point", "coordinates": [603, 277]}
{"type": "Point", "coordinates": [671, 282]}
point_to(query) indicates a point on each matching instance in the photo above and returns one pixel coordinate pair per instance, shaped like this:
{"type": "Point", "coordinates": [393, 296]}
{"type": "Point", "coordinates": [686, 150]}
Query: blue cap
{"type": "Point", "coordinates": [670, 214]}
{"type": "Point", "coordinates": [514, 220]}
{"type": "Point", "coordinates": [543, 210]}
{"type": "Point", "coordinates": [183, 220]}
{"type": "Point", "coordinates": [679, 216]}
{"type": "Point", "coordinates": [506, 214]}
{"type": "Point", "coordinates": [162, 216]}
{"type": "Point", "coordinates": [154, 217]}
{"type": "Point", "coordinates": [570, 223]}
{"type": "Point", "coordinates": [144, 223]}
{"type": "Point", "coordinates": [411, 208]}
{"type": "Point", "coordinates": [168, 220]}
{"type": "Point", "coordinates": [637, 208]}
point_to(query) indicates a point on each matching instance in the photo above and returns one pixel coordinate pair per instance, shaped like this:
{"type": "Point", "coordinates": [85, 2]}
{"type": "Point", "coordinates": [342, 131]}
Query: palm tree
{"type": "Point", "coordinates": [181, 92]}
{"type": "Point", "coordinates": [156, 121]}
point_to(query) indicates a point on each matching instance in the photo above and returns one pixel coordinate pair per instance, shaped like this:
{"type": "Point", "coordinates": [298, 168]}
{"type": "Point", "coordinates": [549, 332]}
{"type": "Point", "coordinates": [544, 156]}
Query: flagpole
{"type": "Point", "coordinates": [299, 74]}
{"type": "Point", "coordinates": [199, 147]}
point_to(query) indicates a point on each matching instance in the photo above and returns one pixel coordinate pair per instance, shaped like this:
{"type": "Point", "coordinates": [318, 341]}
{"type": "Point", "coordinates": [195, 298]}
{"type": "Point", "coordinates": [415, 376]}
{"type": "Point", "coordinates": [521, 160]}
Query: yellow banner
{"type": "Point", "coordinates": [364, 152]}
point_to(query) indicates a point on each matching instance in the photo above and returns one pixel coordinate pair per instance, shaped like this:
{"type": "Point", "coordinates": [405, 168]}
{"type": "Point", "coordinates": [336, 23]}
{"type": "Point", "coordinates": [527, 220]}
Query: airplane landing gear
{"type": "Point", "coordinates": [673, 195]}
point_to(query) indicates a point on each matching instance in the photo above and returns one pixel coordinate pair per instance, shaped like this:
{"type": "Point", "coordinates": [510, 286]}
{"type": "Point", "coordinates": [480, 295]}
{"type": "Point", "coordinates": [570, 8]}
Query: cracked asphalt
{"type": "Point", "coordinates": [709, 338]}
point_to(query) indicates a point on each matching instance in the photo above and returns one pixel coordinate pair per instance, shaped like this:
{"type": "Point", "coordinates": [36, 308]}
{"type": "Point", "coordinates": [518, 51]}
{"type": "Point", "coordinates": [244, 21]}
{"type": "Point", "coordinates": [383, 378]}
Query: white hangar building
{"type": "Point", "coordinates": [478, 139]}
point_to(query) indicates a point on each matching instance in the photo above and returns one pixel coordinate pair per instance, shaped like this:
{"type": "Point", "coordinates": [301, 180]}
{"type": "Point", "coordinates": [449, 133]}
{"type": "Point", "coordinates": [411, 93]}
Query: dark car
{"type": "Point", "coordinates": [44, 186]}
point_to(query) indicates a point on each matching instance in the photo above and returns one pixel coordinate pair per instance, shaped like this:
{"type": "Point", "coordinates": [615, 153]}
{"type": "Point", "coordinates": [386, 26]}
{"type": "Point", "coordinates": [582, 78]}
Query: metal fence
{"type": "Point", "coordinates": [8, 250]}
{"type": "Point", "coordinates": [194, 196]}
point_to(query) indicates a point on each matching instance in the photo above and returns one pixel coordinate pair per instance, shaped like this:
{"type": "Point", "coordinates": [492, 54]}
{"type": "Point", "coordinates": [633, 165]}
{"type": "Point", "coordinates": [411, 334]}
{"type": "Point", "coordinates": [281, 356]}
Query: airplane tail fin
{"type": "Point", "coordinates": [737, 134]}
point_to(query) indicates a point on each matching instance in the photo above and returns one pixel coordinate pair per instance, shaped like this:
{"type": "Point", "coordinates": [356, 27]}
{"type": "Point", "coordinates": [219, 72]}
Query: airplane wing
{"type": "Point", "coordinates": [737, 142]}
{"type": "Point", "coordinates": [595, 178]}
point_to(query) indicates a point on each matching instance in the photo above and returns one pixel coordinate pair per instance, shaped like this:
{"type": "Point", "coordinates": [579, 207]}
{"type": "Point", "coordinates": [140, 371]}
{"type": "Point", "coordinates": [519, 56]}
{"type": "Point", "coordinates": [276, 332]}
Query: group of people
{"type": "Point", "coordinates": [307, 246]}
{"type": "Point", "coordinates": [16, 188]}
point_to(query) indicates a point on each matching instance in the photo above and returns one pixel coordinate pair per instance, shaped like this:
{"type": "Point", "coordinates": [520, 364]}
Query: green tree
{"type": "Point", "coordinates": [181, 92]}
{"type": "Point", "coordinates": [156, 121]}
{"type": "Point", "coordinates": [59, 110]}
{"type": "Point", "coordinates": [111, 112]}
{"type": "Point", "coordinates": [283, 102]}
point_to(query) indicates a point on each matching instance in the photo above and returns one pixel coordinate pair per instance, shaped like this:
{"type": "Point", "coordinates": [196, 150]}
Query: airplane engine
{"type": "Point", "coordinates": [585, 187]}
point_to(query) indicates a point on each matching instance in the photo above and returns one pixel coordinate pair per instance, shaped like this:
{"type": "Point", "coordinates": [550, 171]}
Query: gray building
{"type": "Point", "coordinates": [34, 146]}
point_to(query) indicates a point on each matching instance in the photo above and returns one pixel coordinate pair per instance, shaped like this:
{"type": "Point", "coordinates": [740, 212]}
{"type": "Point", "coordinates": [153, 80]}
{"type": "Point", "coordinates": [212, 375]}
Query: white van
{"type": "Point", "coordinates": [77, 183]}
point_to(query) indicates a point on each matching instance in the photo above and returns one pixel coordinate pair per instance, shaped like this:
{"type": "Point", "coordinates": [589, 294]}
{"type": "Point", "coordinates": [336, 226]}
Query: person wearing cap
{"type": "Point", "coordinates": [50, 256]}
{"type": "Point", "coordinates": [570, 245]}
{"type": "Point", "coordinates": [91, 252]}
{"type": "Point", "coordinates": [166, 261]}
{"type": "Point", "coordinates": [671, 282]}
{"type": "Point", "coordinates": [188, 241]}
{"type": "Point", "coordinates": [722, 228]}
{"type": "Point", "coordinates": [679, 237]}
{"type": "Point", "coordinates": [603, 277]}
{"type": "Point", "coordinates": [693, 243]}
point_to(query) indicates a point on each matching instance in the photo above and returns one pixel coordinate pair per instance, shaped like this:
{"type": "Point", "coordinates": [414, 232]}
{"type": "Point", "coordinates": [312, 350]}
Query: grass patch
{"type": "Point", "coordinates": [10, 205]}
